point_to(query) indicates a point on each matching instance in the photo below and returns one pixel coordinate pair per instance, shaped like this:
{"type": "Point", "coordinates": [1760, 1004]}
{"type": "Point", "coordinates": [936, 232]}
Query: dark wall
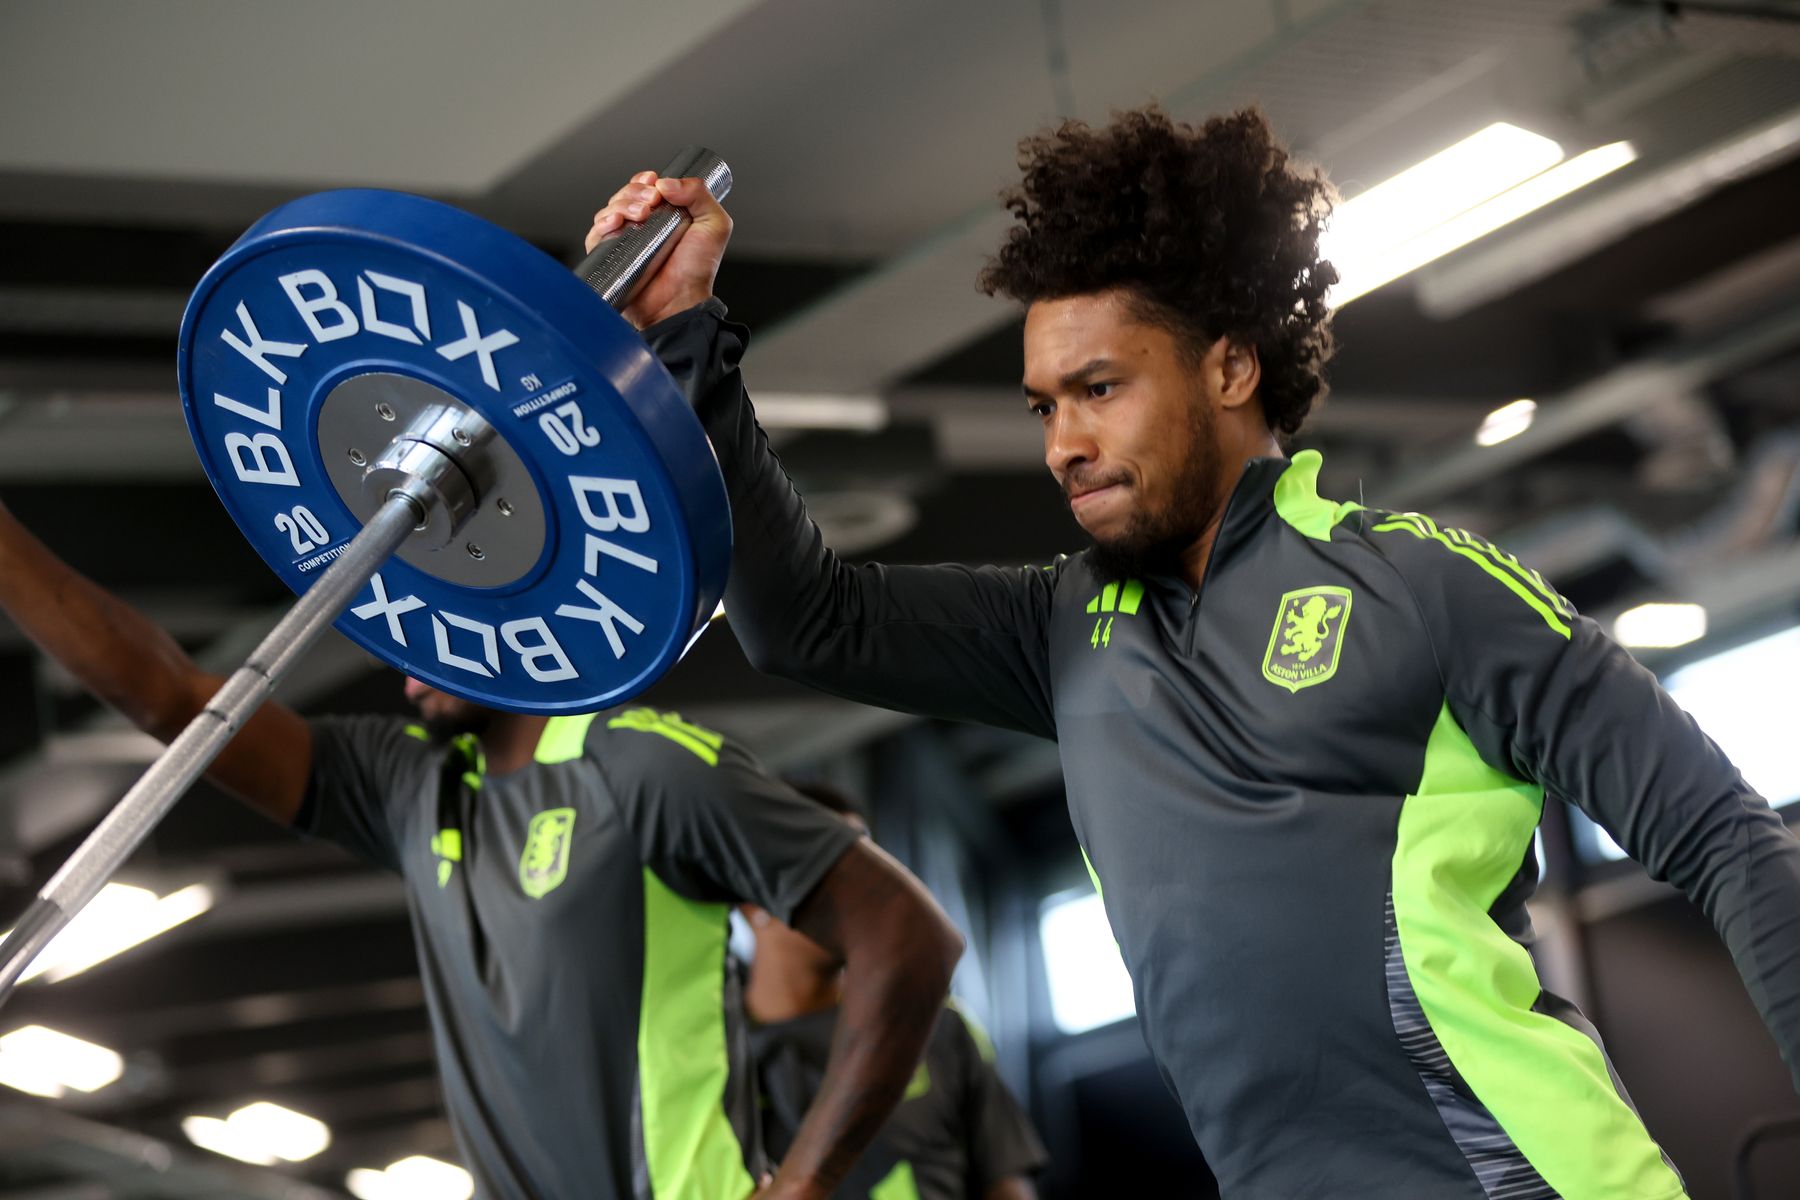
{"type": "Point", "coordinates": [1690, 1046]}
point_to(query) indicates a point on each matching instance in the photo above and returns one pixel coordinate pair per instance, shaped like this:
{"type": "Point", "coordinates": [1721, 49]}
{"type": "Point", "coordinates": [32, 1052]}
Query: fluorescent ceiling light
{"type": "Point", "coordinates": [212, 1133]}
{"type": "Point", "coordinates": [415, 1178]}
{"type": "Point", "coordinates": [1455, 196]}
{"type": "Point", "coordinates": [47, 1063]}
{"type": "Point", "coordinates": [1659, 626]}
{"type": "Point", "coordinates": [117, 919]}
{"type": "Point", "coordinates": [810, 410]}
{"type": "Point", "coordinates": [1451, 181]}
{"type": "Point", "coordinates": [260, 1133]}
{"type": "Point", "coordinates": [1089, 985]}
{"type": "Point", "coordinates": [1507, 421]}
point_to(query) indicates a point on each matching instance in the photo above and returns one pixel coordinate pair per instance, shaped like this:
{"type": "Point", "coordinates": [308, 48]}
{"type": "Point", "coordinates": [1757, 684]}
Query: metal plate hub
{"type": "Point", "coordinates": [503, 536]}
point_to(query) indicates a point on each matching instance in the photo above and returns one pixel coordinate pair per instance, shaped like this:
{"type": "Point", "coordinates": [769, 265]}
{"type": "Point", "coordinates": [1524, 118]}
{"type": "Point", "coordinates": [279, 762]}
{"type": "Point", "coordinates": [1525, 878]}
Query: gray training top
{"type": "Point", "coordinates": [571, 920]}
{"type": "Point", "coordinates": [956, 1132]}
{"type": "Point", "coordinates": [1309, 792]}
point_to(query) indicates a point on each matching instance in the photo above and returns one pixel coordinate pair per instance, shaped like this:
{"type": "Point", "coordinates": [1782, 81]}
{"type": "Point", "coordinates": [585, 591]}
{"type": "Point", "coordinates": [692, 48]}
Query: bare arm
{"type": "Point", "coordinates": [1015, 1188]}
{"type": "Point", "coordinates": [898, 949]}
{"type": "Point", "coordinates": [138, 669]}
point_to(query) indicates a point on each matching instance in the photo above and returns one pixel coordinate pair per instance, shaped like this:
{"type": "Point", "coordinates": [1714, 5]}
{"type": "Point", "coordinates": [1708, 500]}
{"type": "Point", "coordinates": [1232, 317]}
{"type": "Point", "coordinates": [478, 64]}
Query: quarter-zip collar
{"type": "Point", "coordinates": [1251, 502]}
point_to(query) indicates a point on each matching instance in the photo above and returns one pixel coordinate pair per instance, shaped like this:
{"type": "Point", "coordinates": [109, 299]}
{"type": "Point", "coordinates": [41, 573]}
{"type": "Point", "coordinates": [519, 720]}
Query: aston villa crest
{"type": "Point", "coordinates": [1308, 634]}
{"type": "Point", "coordinates": [545, 862]}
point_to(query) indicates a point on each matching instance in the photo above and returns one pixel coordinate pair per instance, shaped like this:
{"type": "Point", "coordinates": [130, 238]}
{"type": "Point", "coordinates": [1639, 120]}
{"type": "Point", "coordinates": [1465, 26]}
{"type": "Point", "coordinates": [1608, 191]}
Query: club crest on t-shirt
{"type": "Point", "coordinates": [1308, 633]}
{"type": "Point", "coordinates": [545, 862]}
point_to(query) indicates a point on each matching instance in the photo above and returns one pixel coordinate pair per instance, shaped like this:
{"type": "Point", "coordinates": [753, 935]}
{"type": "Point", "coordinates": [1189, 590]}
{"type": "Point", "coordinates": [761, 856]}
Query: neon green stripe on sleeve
{"type": "Point", "coordinates": [703, 744]}
{"type": "Point", "coordinates": [1513, 584]}
{"type": "Point", "coordinates": [698, 732]}
{"type": "Point", "coordinates": [1467, 540]}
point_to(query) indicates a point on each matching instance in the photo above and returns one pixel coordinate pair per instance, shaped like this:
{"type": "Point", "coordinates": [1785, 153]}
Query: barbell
{"type": "Point", "coordinates": [454, 448]}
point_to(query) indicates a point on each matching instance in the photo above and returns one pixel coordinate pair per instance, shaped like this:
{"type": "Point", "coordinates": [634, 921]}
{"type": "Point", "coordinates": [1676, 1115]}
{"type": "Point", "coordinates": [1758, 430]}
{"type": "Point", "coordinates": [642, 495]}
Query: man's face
{"type": "Point", "coordinates": [443, 714]}
{"type": "Point", "coordinates": [1129, 431]}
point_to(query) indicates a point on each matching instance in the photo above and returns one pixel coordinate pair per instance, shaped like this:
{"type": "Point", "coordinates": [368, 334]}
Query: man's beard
{"type": "Point", "coordinates": [445, 727]}
{"type": "Point", "coordinates": [1153, 542]}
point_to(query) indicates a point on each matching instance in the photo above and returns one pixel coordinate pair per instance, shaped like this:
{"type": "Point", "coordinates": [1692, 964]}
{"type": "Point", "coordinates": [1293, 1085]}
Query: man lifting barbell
{"type": "Point", "coordinates": [1305, 744]}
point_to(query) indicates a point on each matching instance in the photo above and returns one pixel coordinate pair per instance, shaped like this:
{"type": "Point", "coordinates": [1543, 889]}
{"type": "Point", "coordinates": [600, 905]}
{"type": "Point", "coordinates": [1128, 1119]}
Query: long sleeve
{"type": "Point", "coordinates": [1545, 695]}
{"type": "Point", "coordinates": [963, 643]}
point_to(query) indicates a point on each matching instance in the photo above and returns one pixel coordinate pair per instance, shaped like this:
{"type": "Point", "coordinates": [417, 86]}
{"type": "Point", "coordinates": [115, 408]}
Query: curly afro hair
{"type": "Point", "coordinates": [1211, 229]}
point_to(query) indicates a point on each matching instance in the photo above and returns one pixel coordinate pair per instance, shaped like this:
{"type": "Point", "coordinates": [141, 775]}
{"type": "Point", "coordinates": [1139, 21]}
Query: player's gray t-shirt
{"type": "Point", "coordinates": [571, 924]}
{"type": "Point", "coordinates": [956, 1132]}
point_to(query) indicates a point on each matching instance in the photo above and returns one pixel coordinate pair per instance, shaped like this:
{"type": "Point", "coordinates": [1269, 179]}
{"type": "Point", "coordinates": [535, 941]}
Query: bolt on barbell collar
{"type": "Point", "coordinates": [437, 461]}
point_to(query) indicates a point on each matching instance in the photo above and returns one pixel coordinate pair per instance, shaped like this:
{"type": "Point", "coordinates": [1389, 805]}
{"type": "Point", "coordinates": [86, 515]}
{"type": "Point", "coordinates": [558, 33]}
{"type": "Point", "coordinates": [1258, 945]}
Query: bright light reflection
{"type": "Point", "coordinates": [1421, 215]}
{"type": "Point", "coordinates": [1745, 699]}
{"type": "Point", "coordinates": [1660, 626]}
{"type": "Point", "coordinates": [261, 1133]}
{"type": "Point", "coordinates": [1089, 985]}
{"type": "Point", "coordinates": [212, 1133]}
{"type": "Point", "coordinates": [415, 1178]}
{"type": "Point", "coordinates": [1507, 421]}
{"type": "Point", "coordinates": [51, 1064]}
{"type": "Point", "coordinates": [288, 1135]}
{"type": "Point", "coordinates": [114, 921]}
{"type": "Point", "coordinates": [808, 410]}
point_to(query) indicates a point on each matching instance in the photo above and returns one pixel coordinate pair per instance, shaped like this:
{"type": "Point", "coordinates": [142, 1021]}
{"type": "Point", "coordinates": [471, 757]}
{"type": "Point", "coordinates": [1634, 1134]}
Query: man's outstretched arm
{"type": "Point", "coordinates": [949, 641]}
{"type": "Point", "coordinates": [137, 668]}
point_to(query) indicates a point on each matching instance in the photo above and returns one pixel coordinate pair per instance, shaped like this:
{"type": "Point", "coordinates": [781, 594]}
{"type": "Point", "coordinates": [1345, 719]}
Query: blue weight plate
{"type": "Point", "coordinates": [344, 289]}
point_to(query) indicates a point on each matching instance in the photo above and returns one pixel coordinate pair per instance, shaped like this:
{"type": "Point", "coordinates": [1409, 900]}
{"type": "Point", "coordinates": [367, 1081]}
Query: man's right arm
{"type": "Point", "coordinates": [138, 669]}
{"type": "Point", "coordinates": [963, 643]}
{"type": "Point", "coordinates": [948, 641]}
